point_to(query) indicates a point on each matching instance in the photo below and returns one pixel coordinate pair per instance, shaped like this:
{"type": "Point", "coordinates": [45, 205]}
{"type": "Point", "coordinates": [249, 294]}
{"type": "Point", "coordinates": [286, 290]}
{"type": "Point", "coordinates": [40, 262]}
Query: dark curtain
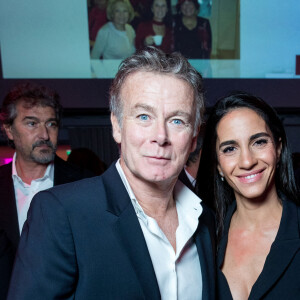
{"type": "Point", "coordinates": [97, 139]}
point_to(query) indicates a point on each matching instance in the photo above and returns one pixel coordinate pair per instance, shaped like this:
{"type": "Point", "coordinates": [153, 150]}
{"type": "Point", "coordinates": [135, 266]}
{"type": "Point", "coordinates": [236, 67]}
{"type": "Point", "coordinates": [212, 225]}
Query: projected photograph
{"type": "Point", "coordinates": [201, 30]}
{"type": "Point", "coordinates": [89, 39]}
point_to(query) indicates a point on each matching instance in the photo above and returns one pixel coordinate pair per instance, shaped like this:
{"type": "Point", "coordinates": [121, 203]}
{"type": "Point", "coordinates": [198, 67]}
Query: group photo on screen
{"type": "Point", "coordinates": [198, 29]}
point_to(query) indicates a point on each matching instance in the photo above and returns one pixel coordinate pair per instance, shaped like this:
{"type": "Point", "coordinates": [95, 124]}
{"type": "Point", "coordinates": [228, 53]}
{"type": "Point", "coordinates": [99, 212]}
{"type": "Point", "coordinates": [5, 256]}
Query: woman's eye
{"type": "Point", "coordinates": [144, 117]}
{"type": "Point", "coordinates": [261, 142]}
{"type": "Point", "coordinates": [229, 149]}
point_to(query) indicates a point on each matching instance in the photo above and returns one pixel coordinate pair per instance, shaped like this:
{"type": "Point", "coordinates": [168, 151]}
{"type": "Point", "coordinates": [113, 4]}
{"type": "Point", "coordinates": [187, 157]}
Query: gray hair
{"type": "Point", "coordinates": [154, 60]}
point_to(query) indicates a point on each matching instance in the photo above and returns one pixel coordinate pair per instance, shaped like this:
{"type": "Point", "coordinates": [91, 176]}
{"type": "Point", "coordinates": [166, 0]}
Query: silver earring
{"type": "Point", "coordinates": [222, 176]}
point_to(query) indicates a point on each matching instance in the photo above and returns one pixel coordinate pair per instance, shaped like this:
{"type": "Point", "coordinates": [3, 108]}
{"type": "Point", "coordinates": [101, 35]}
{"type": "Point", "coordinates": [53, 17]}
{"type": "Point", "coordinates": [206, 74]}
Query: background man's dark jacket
{"type": "Point", "coordinates": [9, 226]}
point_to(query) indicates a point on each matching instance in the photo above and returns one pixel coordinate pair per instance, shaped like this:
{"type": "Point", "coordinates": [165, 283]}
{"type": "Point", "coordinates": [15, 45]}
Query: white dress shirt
{"type": "Point", "coordinates": [178, 274]}
{"type": "Point", "coordinates": [24, 192]}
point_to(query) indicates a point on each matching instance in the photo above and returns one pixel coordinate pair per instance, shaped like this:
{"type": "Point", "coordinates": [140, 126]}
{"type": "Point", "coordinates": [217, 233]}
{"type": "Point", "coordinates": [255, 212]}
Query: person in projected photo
{"type": "Point", "coordinates": [97, 18]}
{"type": "Point", "coordinates": [156, 32]}
{"type": "Point", "coordinates": [192, 34]}
{"type": "Point", "coordinates": [246, 167]}
{"type": "Point", "coordinates": [115, 40]}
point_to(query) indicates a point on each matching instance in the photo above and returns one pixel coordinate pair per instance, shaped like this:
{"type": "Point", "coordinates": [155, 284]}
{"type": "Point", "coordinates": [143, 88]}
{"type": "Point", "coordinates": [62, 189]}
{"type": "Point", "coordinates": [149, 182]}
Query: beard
{"type": "Point", "coordinates": [43, 156]}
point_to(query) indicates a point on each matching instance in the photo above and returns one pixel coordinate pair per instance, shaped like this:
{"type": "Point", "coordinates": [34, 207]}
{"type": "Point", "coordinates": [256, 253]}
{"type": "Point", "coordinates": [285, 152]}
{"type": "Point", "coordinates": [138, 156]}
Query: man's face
{"type": "Point", "coordinates": [34, 132]}
{"type": "Point", "coordinates": [156, 135]}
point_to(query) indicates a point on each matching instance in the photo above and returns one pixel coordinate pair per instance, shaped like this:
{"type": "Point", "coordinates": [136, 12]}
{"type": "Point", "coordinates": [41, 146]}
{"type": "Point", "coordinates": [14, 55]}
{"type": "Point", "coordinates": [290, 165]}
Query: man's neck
{"type": "Point", "coordinates": [29, 170]}
{"type": "Point", "coordinates": [157, 202]}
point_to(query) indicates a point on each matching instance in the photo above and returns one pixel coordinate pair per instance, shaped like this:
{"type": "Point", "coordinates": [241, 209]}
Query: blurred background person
{"type": "Point", "coordinates": [192, 34]}
{"type": "Point", "coordinates": [97, 18]}
{"type": "Point", "coordinates": [189, 173]}
{"type": "Point", "coordinates": [115, 40]}
{"type": "Point", "coordinates": [87, 159]}
{"type": "Point", "coordinates": [246, 168]}
{"type": "Point", "coordinates": [156, 32]}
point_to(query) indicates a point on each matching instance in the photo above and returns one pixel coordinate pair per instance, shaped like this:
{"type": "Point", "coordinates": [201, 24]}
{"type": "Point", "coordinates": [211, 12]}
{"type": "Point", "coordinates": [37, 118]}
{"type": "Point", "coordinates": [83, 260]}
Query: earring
{"type": "Point", "coordinates": [222, 176]}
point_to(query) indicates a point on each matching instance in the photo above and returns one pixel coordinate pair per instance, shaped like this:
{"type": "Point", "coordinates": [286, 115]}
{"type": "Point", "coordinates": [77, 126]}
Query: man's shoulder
{"type": "Point", "coordinates": [77, 188]}
{"type": "Point", "coordinates": [85, 194]}
{"type": "Point", "coordinates": [85, 188]}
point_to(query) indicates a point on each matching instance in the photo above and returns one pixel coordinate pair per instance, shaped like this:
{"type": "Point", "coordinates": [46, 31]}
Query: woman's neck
{"type": "Point", "coordinates": [158, 21]}
{"type": "Point", "coordinates": [258, 212]}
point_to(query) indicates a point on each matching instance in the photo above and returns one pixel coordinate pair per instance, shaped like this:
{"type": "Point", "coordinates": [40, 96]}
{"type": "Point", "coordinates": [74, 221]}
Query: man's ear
{"type": "Point", "coordinates": [8, 130]}
{"type": "Point", "coordinates": [116, 128]}
{"type": "Point", "coordinates": [194, 141]}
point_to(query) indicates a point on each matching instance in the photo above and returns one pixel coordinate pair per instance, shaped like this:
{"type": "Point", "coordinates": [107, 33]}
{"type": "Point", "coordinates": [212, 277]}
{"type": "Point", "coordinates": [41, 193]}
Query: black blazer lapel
{"type": "Point", "coordinates": [8, 209]}
{"type": "Point", "coordinates": [205, 242]}
{"type": "Point", "coordinates": [129, 232]}
{"type": "Point", "coordinates": [286, 244]}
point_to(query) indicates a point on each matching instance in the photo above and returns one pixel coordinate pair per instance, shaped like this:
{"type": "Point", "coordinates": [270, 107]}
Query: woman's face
{"type": "Point", "coordinates": [188, 9]}
{"type": "Point", "coordinates": [247, 154]}
{"type": "Point", "coordinates": [159, 9]}
{"type": "Point", "coordinates": [121, 14]}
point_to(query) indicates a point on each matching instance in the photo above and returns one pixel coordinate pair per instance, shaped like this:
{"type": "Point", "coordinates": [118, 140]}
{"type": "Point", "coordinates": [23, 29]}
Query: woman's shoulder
{"type": "Point", "coordinates": [106, 27]}
{"type": "Point", "coordinates": [129, 29]}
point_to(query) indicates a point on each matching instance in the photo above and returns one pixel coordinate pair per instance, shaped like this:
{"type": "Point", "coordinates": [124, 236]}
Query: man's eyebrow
{"type": "Point", "coordinates": [171, 114]}
{"type": "Point", "coordinates": [181, 113]}
{"type": "Point", "coordinates": [144, 106]}
{"type": "Point", "coordinates": [32, 118]}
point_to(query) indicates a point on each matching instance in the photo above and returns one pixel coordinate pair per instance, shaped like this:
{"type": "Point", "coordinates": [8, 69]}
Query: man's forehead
{"type": "Point", "coordinates": [32, 104]}
{"type": "Point", "coordinates": [31, 108]}
{"type": "Point", "coordinates": [143, 80]}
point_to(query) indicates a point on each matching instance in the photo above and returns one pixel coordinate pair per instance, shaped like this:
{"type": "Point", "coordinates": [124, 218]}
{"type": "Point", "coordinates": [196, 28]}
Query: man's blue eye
{"type": "Point", "coordinates": [177, 122]}
{"type": "Point", "coordinates": [144, 117]}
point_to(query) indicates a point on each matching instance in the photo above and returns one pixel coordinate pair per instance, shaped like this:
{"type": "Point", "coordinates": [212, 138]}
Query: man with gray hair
{"type": "Point", "coordinates": [135, 232]}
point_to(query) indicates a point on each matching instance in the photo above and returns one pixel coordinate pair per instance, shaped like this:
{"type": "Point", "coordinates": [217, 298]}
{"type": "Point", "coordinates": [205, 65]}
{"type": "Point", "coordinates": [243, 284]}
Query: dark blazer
{"type": "Point", "coordinates": [280, 277]}
{"type": "Point", "coordinates": [185, 180]}
{"type": "Point", "coordinates": [84, 241]}
{"type": "Point", "coordinates": [63, 173]}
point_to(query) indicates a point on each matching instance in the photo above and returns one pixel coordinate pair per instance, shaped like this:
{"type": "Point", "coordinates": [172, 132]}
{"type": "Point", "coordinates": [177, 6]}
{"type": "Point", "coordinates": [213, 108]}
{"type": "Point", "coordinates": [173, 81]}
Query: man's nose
{"type": "Point", "coordinates": [161, 135]}
{"type": "Point", "coordinates": [43, 132]}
